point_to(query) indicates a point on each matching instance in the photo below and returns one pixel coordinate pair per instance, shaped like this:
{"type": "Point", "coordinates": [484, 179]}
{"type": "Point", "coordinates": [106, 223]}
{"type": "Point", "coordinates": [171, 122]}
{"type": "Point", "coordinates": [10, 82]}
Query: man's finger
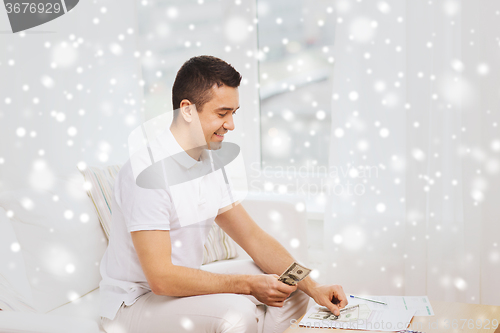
{"type": "Point", "coordinates": [334, 309]}
{"type": "Point", "coordinates": [277, 304]}
{"type": "Point", "coordinates": [340, 301]}
{"type": "Point", "coordinates": [281, 296]}
{"type": "Point", "coordinates": [282, 291]}
{"type": "Point", "coordinates": [283, 287]}
{"type": "Point", "coordinates": [341, 297]}
{"type": "Point", "coordinates": [343, 303]}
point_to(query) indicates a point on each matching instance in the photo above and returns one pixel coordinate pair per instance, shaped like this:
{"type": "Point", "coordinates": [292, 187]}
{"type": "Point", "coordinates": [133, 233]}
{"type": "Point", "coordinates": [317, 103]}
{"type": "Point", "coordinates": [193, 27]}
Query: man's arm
{"type": "Point", "coordinates": [272, 257]}
{"type": "Point", "coordinates": [154, 251]}
{"type": "Point", "coordinates": [265, 251]}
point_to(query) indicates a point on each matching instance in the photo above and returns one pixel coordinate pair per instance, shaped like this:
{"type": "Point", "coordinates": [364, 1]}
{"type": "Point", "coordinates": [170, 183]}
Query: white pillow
{"type": "Point", "coordinates": [61, 241]}
{"type": "Point", "coordinates": [15, 290]}
{"type": "Point", "coordinates": [100, 191]}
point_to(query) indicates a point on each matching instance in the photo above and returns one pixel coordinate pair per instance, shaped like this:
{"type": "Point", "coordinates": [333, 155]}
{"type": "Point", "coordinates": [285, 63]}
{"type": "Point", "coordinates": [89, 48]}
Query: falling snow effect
{"type": "Point", "coordinates": [398, 140]}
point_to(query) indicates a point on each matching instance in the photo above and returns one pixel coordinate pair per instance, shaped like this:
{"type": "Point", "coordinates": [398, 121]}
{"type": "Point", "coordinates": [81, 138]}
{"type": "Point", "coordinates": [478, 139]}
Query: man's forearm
{"type": "Point", "coordinates": [270, 255]}
{"type": "Point", "coordinates": [185, 281]}
{"type": "Point", "coordinates": [307, 285]}
{"type": "Point", "coordinates": [273, 258]}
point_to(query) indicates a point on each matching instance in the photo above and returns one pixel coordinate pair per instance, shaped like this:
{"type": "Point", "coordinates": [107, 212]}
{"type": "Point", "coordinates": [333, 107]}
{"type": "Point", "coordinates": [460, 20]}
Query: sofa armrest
{"type": "Point", "coordinates": [26, 322]}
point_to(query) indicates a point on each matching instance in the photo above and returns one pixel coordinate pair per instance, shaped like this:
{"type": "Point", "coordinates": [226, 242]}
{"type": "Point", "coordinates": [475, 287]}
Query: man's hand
{"type": "Point", "coordinates": [267, 289]}
{"type": "Point", "coordinates": [332, 297]}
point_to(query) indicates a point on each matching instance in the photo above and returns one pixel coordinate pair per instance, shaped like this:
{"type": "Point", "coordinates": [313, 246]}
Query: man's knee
{"type": "Point", "coordinates": [241, 317]}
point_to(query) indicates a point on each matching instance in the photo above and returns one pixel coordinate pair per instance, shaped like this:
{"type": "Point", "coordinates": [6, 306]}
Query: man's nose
{"type": "Point", "coordinates": [229, 123]}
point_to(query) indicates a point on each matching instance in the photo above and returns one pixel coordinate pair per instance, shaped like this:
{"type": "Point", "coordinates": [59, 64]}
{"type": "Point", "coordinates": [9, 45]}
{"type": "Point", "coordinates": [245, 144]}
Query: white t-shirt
{"type": "Point", "coordinates": [135, 208]}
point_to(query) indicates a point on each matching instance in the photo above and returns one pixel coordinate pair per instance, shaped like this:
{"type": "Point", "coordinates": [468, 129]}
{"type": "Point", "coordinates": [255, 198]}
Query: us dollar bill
{"type": "Point", "coordinates": [294, 274]}
{"type": "Point", "coordinates": [346, 315]}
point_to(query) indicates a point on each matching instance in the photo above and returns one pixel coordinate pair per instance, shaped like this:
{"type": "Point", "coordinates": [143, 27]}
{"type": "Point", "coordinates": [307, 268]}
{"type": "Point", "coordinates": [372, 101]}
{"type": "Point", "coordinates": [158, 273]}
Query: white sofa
{"type": "Point", "coordinates": [52, 243]}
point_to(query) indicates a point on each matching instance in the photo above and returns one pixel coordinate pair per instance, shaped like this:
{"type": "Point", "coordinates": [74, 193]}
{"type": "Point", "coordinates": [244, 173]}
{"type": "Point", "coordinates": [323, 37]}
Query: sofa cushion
{"type": "Point", "coordinates": [23, 322]}
{"type": "Point", "coordinates": [15, 290]}
{"type": "Point", "coordinates": [86, 307]}
{"type": "Point", "coordinates": [100, 184]}
{"type": "Point", "coordinates": [219, 246]}
{"type": "Point", "coordinates": [61, 241]}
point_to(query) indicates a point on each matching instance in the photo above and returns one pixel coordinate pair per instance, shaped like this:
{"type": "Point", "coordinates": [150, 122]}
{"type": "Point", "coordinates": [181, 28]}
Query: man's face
{"type": "Point", "coordinates": [216, 117]}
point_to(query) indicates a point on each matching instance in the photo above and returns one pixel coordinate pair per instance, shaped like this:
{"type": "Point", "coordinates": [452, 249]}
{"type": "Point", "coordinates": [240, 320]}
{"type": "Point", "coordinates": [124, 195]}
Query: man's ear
{"type": "Point", "coordinates": [186, 110]}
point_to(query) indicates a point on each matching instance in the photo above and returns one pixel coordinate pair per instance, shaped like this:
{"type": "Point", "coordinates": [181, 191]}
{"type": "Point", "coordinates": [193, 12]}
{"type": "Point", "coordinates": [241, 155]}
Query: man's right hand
{"type": "Point", "coordinates": [267, 289]}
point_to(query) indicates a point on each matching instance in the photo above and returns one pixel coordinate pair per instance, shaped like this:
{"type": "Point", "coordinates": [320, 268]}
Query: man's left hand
{"type": "Point", "coordinates": [330, 296]}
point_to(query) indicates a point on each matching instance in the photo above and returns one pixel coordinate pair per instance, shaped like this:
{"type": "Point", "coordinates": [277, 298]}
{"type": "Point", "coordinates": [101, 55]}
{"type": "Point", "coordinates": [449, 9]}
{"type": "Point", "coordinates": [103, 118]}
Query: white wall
{"type": "Point", "coordinates": [65, 53]}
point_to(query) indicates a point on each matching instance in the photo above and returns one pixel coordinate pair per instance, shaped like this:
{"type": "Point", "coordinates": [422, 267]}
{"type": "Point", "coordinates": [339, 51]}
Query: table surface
{"type": "Point", "coordinates": [448, 317]}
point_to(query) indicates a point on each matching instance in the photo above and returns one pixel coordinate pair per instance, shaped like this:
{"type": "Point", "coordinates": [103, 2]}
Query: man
{"type": "Point", "coordinates": [155, 249]}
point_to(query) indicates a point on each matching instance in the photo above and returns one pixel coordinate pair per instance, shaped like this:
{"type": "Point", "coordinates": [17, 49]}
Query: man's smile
{"type": "Point", "coordinates": [219, 136]}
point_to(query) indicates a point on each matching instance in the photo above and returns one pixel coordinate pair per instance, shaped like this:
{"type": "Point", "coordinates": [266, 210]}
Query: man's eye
{"type": "Point", "coordinates": [234, 112]}
{"type": "Point", "coordinates": [222, 114]}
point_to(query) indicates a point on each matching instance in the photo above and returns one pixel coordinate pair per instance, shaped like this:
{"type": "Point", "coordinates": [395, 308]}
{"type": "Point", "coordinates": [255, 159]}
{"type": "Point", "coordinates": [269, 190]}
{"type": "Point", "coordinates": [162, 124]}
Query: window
{"type": "Point", "coordinates": [295, 41]}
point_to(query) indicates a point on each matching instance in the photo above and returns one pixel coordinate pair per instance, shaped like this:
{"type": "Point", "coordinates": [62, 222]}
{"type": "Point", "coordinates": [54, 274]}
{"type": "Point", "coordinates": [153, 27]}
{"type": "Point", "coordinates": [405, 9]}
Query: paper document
{"type": "Point", "coordinates": [420, 304]}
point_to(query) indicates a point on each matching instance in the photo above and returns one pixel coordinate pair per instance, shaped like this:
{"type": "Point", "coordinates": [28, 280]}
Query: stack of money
{"type": "Point", "coordinates": [294, 274]}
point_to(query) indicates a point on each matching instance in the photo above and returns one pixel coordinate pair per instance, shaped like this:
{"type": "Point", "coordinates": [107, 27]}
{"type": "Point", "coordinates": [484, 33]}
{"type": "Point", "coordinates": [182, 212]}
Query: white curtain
{"type": "Point", "coordinates": [415, 132]}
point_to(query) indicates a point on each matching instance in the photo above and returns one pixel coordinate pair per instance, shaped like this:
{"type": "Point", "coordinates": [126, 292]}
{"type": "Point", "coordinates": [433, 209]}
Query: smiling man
{"type": "Point", "coordinates": [152, 281]}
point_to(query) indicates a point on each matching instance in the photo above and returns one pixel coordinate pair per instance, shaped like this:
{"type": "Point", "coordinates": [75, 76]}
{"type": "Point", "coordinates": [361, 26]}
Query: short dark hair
{"type": "Point", "coordinates": [197, 76]}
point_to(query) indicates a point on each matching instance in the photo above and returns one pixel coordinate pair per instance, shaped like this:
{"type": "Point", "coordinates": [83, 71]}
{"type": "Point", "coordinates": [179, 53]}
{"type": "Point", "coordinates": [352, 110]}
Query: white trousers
{"type": "Point", "coordinates": [216, 313]}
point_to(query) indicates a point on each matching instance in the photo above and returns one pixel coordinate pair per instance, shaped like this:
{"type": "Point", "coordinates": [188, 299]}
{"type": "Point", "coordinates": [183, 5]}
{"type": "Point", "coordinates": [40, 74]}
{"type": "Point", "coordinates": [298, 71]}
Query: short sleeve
{"type": "Point", "coordinates": [142, 208]}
